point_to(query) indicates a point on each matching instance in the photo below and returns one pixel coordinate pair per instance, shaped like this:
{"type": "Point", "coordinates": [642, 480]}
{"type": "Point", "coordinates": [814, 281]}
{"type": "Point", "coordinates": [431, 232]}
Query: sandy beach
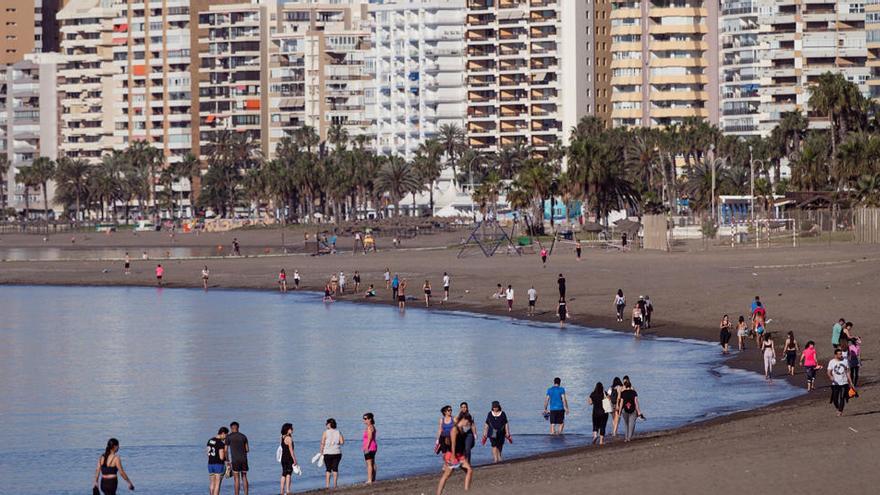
{"type": "Point", "coordinates": [797, 445]}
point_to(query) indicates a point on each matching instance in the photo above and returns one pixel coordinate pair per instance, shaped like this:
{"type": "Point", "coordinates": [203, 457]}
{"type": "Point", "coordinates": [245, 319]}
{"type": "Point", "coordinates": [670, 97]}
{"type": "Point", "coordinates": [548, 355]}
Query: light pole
{"type": "Point", "coordinates": [751, 186]}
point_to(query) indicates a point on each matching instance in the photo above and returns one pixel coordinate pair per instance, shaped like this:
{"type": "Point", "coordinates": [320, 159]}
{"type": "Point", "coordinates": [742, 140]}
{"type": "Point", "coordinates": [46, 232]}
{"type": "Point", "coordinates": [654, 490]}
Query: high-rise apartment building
{"type": "Point", "coordinates": [597, 48]}
{"type": "Point", "coordinates": [801, 40]}
{"type": "Point", "coordinates": [872, 35]}
{"type": "Point", "coordinates": [28, 26]}
{"type": "Point", "coordinates": [234, 70]}
{"type": "Point", "coordinates": [417, 66]}
{"type": "Point", "coordinates": [88, 89]}
{"type": "Point", "coordinates": [29, 126]}
{"type": "Point", "coordinates": [740, 67]}
{"type": "Point", "coordinates": [317, 68]}
{"type": "Point", "coordinates": [526, 72]}
{"type": "Point", "coordinates": [664, 62]}
{"type": "Point", "coordinates": [152, 52]}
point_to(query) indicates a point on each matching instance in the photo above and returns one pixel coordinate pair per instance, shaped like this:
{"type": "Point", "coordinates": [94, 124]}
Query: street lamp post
{"type": "Point", "coordinates": [751, 186]}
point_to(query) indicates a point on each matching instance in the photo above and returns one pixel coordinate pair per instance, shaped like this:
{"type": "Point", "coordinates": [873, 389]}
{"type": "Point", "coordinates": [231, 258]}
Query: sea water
{"type": "Point", "coordinates": [163, 369]}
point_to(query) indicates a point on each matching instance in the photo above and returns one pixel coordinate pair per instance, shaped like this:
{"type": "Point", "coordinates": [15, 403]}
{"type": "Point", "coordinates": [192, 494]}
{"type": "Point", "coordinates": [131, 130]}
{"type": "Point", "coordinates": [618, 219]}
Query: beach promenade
{"type": "Point", "coordinates": [798, 445]}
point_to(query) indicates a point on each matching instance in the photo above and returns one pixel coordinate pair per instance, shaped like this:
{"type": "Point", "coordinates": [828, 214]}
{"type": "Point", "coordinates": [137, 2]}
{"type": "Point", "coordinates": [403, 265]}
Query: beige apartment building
{"type": "Point", "coordinates": [88, 90]}
{"type": "Point", "coordinates": [28, 26]}
{"type": "Point", "coordinates": [233, 71]}
{"type": "Point", "coordinates": [317, 69]}
{"type": "Point", "coordinates": [800, 40]}
{"type": "Point", "coordinates": [664, 62]}
{"type": "Point", "coordinates": [528, 72]}
{"type": "Point", "coordinates": [872, 35]}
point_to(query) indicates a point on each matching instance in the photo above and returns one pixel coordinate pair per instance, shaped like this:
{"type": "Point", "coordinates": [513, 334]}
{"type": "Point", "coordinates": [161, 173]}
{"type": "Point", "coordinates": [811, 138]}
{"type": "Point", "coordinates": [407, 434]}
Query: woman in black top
{"type": "Point", "coordinates": [600, 415]}
{"type": "Point", "coordinates": [109, 468]}
{"type": "Point", "coordinates": [496, 430]}
{"type": "Point", "coordinates": [288, 457]}
{"type": "Point", "coordinates": [725, 334]}
{"type": "Point", "coordinates": [562, 310]}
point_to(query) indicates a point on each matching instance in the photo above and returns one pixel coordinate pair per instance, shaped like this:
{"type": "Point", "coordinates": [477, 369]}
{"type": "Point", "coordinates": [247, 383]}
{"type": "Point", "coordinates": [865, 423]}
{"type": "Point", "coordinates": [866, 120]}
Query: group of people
{"type": "Point", "coordinates": [842, 368]}
{"type": "Point", "coordinates": [642, 312]}
{"type": "Point", "coordinates": [619, 402]}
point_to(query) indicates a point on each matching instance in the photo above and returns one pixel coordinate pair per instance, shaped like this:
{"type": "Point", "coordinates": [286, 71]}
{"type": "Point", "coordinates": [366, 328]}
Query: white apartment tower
{"type": "Point", "coordinates": [739, 25]}
{"type": "Point", "coordinates": [89, 91]}
{"type": "Point", "coordinates": [802, 39]}
{"type": "Point", "coordinates": [418, 67]}
{"type": "Point", "coordinates": [526, 72]}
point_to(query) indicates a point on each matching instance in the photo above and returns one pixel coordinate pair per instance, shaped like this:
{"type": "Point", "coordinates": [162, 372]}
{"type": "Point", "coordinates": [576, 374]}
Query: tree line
{"type": "Point", "coordinates": [642, 170]}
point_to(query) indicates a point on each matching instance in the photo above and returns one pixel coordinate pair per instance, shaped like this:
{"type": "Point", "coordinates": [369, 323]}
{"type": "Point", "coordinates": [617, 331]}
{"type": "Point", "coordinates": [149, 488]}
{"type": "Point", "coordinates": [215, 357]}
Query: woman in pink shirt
{"type": "Point", "coordinates": [369, 446]}
{"type": "Point", "coordinates": [160, 272]}
{"type": "Point", "coordinates": [811, 363]}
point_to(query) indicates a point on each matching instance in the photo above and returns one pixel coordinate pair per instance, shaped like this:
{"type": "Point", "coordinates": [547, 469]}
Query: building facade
{"type": "Point", "coordinates": [664, 62]}
{"type": "Point", "coordinates": [317, 69]}
{"type": "Point", "coordinates": [417, 64]}
{"type": "Point", "coordinates": [233, 70]}
{"type": "Point", "coordinates": [89, 91]}
{"type": "Point", "coordinates": [29, 122]}
{"type": "Point", "coordinates": [801, 40]}
{"type": "Point", "coordinates": [872, 40]}
{"type": "Point", "coordinates": [739, 25]}
{"type": "Point", "coordinates": [526, 72]}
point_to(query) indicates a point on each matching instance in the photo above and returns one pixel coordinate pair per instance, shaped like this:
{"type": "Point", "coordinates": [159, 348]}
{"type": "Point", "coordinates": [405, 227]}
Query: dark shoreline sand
{"type": "Point", "coordinates": [791, 445]}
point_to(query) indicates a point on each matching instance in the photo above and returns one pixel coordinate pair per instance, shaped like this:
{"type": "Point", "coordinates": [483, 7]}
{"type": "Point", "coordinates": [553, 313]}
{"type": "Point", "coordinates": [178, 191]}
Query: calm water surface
{"type": "Point", "coordinates": [162, 369]}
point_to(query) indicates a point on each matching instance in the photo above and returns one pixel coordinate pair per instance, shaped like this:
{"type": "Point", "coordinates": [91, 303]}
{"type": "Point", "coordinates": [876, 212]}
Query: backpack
{"type": "Point", "coordinates": [278, 453]}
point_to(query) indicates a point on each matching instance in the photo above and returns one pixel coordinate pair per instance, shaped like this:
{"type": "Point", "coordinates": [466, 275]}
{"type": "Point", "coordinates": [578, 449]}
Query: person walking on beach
{"type": "Point", "coordinates": [649, 310]}
{"type": "Point", "coordinates": [508, 295]}
{"type": "Point", "coordinates": [725, 334]}
{"type": "Point", "coordinates": [742, 332]}
{"type": "Point", "coordinates": [387, 276]}
{"type": "Point", "coordinates": [296, 279]}
{"type": "Point", "coordinates": [357, 281]}
{"type": "Point", "coordinates": [331, 448]}
{"type": "Point", "coordinates": [544, 256]}
{"type": "Point", "coordinates": [334, 284]}
{"type": "Point", "coordinates": [601, 408]}
{"type": "Point", "coordinates": [619, 304]}
{"type": "Point", "coordinates": [127, 264]}
{"type": "Point", "coordinates": [637, 320]}
{"type": "Point", "coordinates": [216, 451]}
{"type": "Point", "coordinates": [643, 308]}
{"type": "Point", "coordinates": [401, 296]}
{"type": "Point", "coordinates": [810, 361]}
{"type": "Point", "coordinates": [533, 299]}
{"type": "Point", "coordinates": [628, 403]}
{"type": "Point", "coordinates": [577, 248]}
{"type": "Point", "coordinates": [456, 456]}
{"type": "Point", "coordinates": [790, 350]}
{"type": "Point", "coordinates": [109, 469]}
{"type": "Point", "coordinates": [556, 405]}
{"type": "Point", "coordinates": [768, 349]}
{"type": "Point", "coordinates": [497, 428]}
{"type": "Point", "coordinates": [854, 356]}
{"type": "Point", "coordinates": [444, 430]}
{"type": "Point", "coordinates": [236, 247]}
{"type": "Point", "coordinates": [839, 374]}
{"type": "Point", "coordinates": [426, 287]}
{"type": "Point", "coordinates": [288, 457]}
{"type": "Point", "coordinates": [614, 395]}
{"type": "Point", "coordinates": [237, 449]}
{"type": "Point", "coordinates": [562, 311]}
{"type": "Point", "coordinates": [471, 439]}
{"type": "Point", "coordinates": [205, 275]}
{"type": "Point", "coordinates": [560, 283]}
{"type": "Point", "coordinates": [160, 273]}
{"type": "Point", "coordinates": [395, 285]}
{"type": "Point", "coordinates": [445, 286]}
{"type": "Point", "coordinates": [341, 282]}
{"type": "Point", "coordinates": [282, 281]}
{"type": "Point", "coordinates": [369, 446]}
{"type": "Point", "coordinates": [836, 330]}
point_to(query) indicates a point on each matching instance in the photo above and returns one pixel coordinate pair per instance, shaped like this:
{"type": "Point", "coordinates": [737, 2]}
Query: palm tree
{"type": "Point", "coordinates": [452, 137]}
{"type": "Point", "coordinates": [142, 155]}
{"type": "Point", "coordinates": [397, 177]}
{"type": "Point", "coordinates": [428, 166]}
{"type": "Point", "coordinates": [43, 169]}
{"type": "Point", "coordinates": [29, 179]}
{"type": "Point", "coordinates": [510, 159]}
{"type": "Point", "coordinates": [868, 190]}
{"type": "Point", "coordinates": [228, 155]}
{"type": "Point", "coordinates": [71, 179]}
{"type": "Point", "coordinates": [535, 181]}
{"type": "Point", "coordinates": [188, 168]}
{"type": "Point", "coordinates": [4, 170]}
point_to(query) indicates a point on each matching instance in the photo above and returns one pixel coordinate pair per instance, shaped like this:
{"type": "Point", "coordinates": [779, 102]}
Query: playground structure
{"type": "Point", "coordinates": [489, 235]}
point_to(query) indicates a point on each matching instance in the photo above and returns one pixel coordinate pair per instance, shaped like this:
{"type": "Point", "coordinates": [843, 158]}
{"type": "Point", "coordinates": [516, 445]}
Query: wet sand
{"type": "Point", "coordinates": [799, 444]}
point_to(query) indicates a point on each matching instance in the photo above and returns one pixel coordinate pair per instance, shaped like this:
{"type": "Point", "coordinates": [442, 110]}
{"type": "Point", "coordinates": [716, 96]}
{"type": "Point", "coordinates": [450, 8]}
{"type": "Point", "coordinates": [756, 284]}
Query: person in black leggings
{"type": "Point", "coordinates": [600, 416]}
{"type": "Point", "coordinates": [110, 468]}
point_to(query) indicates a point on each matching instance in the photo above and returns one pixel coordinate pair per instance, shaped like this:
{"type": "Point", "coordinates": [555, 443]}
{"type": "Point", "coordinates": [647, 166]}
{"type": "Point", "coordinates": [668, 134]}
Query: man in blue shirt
{"type": "Point", "coordinates": [395, 285]}
{"type": "Point", "coordinates": [556, 405]}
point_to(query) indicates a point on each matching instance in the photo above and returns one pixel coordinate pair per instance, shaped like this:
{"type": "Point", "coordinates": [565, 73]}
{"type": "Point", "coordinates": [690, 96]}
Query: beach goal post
{"type": "Point", "coordinates": [775, 231]}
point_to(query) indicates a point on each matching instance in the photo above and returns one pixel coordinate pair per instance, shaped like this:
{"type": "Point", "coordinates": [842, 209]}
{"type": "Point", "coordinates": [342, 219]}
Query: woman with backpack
{"type": "Point", "coordinates": [619, 304]}
{"type": "Point", "coordinates": [630, 411]}
{"type": "Point", "coordinates": [614, 395]}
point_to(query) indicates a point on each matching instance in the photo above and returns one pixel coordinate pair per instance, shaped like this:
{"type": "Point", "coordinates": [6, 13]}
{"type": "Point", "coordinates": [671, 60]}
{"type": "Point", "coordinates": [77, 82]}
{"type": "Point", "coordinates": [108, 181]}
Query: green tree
{"type": "Point", "coordinates": [71, 180]}
{"type": "Point", "coordinates": [397, 177]}
{"type": "Point", "coordinates": [43, 169]}
{"type": "Point", "coordinates": [428, 166]}
{"type": "Point", "coordinates": [28, 178]}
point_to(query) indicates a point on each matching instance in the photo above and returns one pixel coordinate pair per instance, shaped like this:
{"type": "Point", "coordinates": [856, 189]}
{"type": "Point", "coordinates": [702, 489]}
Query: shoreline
{"type": "Point", "coordinates": [805, 288]}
